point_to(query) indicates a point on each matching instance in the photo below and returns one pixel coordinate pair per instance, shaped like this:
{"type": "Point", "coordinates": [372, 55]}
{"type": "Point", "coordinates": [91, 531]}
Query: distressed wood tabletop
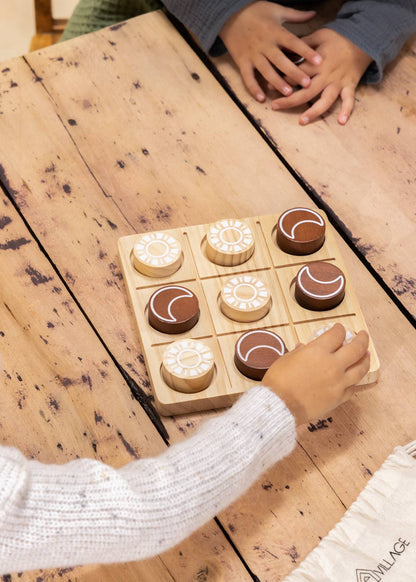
{"type": "Point", "coordinates": [127, 131]}
{"type": "Point", "coordinates": [363, 172]}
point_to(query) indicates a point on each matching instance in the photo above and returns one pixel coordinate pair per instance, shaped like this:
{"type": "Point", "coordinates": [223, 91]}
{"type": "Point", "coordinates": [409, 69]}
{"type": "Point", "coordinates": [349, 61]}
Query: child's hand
{"type": "Point", "coordinates": [315, 378]}
{"type": "Point", "coordinates": [255, 37]}
{"type": "Point", "coordinates": [343, 65]}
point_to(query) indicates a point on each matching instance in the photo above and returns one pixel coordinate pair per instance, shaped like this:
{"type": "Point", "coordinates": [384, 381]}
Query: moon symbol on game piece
{"type": "Point", "coordinates": [305, 275]}
{"type": "Point", "coordinates": [255, 351]}
{"type": "Point", "coordinates": [318, 220]}
{"type": "Point", "coordinates": [168, 316]}
{"type": "Point", "coordinates": [279, 351]}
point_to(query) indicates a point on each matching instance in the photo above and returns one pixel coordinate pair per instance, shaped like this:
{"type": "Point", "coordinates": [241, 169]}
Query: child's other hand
{"type": "Point", "coordinates": [254, 37]}
{"type": "Point", "coordinates": [343, 65]}
{"type": "Point", "coordinates": [315, 378]}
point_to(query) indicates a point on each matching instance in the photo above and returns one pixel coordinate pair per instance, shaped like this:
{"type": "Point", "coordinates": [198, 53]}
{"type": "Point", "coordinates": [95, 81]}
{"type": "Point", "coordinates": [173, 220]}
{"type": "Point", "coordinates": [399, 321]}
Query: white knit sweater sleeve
{"type": "Point", "coordinates": [87, 512]}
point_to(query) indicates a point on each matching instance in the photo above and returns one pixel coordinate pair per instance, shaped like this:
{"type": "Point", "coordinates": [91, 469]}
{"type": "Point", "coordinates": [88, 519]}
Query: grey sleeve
{"type": "Point", "coordinates": [205, 19]}
{"type": "Point", "coordinates": [378, 27]}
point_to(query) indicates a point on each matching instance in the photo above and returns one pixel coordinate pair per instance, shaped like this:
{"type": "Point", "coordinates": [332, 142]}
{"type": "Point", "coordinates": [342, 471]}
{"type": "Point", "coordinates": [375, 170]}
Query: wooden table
{"type": "Point", "coordinates": [361, 173]}
{"type": "Point", "coordinates": [124, 131]}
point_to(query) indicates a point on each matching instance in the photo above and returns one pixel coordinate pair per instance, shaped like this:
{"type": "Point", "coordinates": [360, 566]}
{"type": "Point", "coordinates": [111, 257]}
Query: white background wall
{"type": "Point", "coordinates": [62, 8]}
{"type": "Point", "coordinates": [17, 24]}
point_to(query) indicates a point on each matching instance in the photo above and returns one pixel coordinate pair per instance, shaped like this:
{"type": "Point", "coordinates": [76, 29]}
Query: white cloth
{"type": "Point", "coordinates": [86, 512]}
{"type": "Point", "coordinates": [375, 541]}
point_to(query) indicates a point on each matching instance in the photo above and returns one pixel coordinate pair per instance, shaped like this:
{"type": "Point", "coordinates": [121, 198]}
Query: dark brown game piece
{"type": "Point", "coordinates": [300, 231]}
{"type": "Point", "coordinates": [320, 286]}
{"type": "Point", "coordinates": [173, 309]}
{"type": "Point", "coordinates": [255, 352]}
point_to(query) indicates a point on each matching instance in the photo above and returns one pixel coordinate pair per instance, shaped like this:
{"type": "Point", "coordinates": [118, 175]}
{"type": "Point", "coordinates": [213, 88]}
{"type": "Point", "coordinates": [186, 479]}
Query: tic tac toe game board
{"type": "Point", "coordinates": [216, 304]}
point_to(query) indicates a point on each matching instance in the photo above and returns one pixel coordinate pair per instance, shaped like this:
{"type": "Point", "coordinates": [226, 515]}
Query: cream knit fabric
{"type": "Point", "coordinates": [86, 512]}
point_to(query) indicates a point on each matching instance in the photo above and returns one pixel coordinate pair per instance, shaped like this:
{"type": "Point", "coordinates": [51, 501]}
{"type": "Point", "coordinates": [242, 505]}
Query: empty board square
{"type": "Point", "coordinates": [219, 393]}
{"type": "Point", "coordinates": [206, 268]}
{"type": "Point", "coordinates": [287, 276]}
{"type": "Point", "coordinates": [152, 336]}
{"type": "Point", "coordinates": [308, 331]}
{"type": "Point", "coordinates": [277, 314]}
{"type": "Point", "coordinates": [280, 258]}
{"type": "Point", "coordinates": [185, 272]}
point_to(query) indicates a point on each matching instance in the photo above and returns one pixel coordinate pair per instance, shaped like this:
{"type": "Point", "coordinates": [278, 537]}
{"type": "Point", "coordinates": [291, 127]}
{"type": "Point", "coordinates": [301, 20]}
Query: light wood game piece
{"type": "Point", "coordinates": [173, 309]}
{"type": "Point", "coordinates": [188, 365]}
{"type": "Point", "coordinates": [281, 313]}
{"type": "Point", "coordinates": [320, 286]}
{"type": "Point", "coordinates": [157, 254]}
{"type": "Point", "coordinates": [300, 231]}
{"type": "Point", "coordinates": [245, 298]}
{"type": "Point", "coordinates": [229, 242]}
{"type": "Point", "coordinates": [349, 333]}
{"type": "Point", "coordinates": [255, 352]}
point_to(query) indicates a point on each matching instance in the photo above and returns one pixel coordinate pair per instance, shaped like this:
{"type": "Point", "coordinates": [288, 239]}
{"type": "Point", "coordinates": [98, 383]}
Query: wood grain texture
{"type": "Point", "coordinates": [96, 146]}
{"type": "Point", "coordinates": [43, 15]}
{"type": "Point", "coordinates": [363, 171]}
{"type": "Point", "coordinates": [228, 242]}
{"type": "Point", "coordinates": [62, 398]}
{"type": "Point", "coordinates": [220, 324]}
{"type": "Point", "coordinates": [48, 29]}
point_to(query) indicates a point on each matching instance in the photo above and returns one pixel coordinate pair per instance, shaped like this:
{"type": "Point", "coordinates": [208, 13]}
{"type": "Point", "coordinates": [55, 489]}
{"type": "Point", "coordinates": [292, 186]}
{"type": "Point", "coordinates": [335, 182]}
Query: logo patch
{"type": "Point", "coordinates": [383, 567]}
{"type": "Point", "coordinates": [367, 576]}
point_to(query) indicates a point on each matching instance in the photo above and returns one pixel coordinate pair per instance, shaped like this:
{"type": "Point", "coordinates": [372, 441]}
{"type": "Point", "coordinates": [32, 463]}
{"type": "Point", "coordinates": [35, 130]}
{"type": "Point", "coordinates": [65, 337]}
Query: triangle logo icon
{"type": "Point", "coordinates": [367, 576]}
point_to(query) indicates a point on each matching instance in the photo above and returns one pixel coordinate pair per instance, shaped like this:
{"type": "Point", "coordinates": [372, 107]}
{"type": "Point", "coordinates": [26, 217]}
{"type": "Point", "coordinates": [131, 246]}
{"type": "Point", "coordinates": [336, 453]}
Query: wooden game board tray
{"type": "Point", "coordinates": [286, 317]}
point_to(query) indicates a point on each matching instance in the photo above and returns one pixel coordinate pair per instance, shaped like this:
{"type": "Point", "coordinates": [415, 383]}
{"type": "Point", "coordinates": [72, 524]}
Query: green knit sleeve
{"type": "Point", "coordinates": [90, 15]}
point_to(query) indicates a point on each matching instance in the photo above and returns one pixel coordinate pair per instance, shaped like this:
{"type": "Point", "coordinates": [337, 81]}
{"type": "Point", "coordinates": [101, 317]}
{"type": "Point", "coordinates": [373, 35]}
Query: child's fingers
{"type": "Point", "coordinates": [327, 99]}
{"type": "Point", "coordinates": [298, 98]}
{"type": "Point", "coordinates": [331, 340]}
{"type": "Point", "coordinates": [301, 48]}
{"type": "Point", "coordinates": [356, 372]}
{"type": "Point", "coordinates": [290, 81]}
{"type": "Point", "coordinates": [347, 105]}
{"type": "Point", "coordinates": [354, 351]}
{"type": "Point", "coordinates": [250, 81]}
{"type": "Point", "coordinates": [313, 40]}
{"type": "Point", "coordinates": [294, 15]}
{"type": "Point", "coordinates": [288, 68]}
{"type": "Point", "coordinates": [308, 69]}
{"type": "Point", "coordinates": [269, 73]}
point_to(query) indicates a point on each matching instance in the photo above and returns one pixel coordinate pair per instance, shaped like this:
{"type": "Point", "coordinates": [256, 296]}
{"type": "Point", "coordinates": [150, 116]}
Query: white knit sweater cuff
{"type": "Point", "coordinates": [87, 512]}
